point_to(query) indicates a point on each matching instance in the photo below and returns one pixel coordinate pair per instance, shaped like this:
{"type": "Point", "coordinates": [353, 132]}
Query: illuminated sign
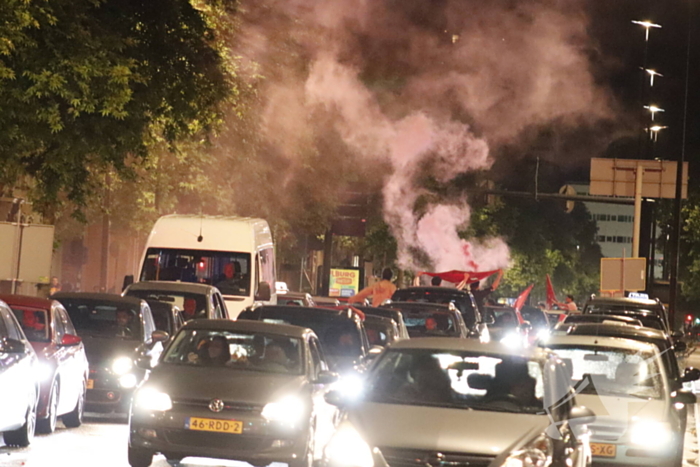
{"type": "Point", "coordinates": [344, 282]}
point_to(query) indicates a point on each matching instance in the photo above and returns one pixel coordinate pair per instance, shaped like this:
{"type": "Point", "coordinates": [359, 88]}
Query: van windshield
{"type": "Point", "coordinates": [229, 271]}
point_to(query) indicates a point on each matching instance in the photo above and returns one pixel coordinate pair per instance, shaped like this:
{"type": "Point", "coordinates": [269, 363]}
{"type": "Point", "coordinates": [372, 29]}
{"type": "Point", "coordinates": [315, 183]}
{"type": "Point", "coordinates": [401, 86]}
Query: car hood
{"type": "Point", "coordinates": [619, 410]}
{"type": "Point", "coordinates": [444, 430]}
{"type": "Point", "coordinates": [99, 349]}
{"type": "Point", "coordinates": [246, 387]}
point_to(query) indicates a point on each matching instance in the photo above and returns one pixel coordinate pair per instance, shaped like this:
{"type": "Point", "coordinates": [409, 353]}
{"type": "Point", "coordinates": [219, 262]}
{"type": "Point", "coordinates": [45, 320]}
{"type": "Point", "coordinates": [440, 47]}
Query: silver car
{"type": "Point", "coordinates": [456, 402]}
{"type": "Point", "coordinates": [624, 382]}
{"type": "Point", "coordinates": [241, 390]}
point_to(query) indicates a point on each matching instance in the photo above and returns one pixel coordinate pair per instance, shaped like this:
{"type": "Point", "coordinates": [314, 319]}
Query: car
{"type": "Point", "coordinates": [509, 326]}
{"type": "Point", "coordinates": [295, 298]}
{"type": "Point", "coordinates": [196, 301]}
{"type": "Point", "coordinates": [381, 331]}
{"type": "Point", "coordinates": [386, 312]}
{"type": "Point", "coordinates": [538, 320]}
{"type": "Point", "coordinates": [650, 312]}
{"type": "Point", "coordinates": [62, 360]}
{"type": "Point", "coordinates": [624, 383]}
{"type": "Point", "coordinates": [341, 333]}
{"type": "Point", "coordinates": [116, 332]}
{"type": "Point", "coordinates": [19, 385]}
{"type": "Point", "coordinates": [431, 319]}
{"type": "Point", "coordinates": [555, 316]}
{"type": "Point", "coordinates": [242, 390]}
{"type": "Point", "coordinates": [462, 299]}
{"type": "Point", "coordinates": [166, 316]}
{"type": "Point", "coordinates": [459, 402]}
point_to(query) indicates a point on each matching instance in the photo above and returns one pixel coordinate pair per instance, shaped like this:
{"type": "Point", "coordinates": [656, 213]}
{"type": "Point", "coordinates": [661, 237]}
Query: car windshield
{"type": "Point", "coordinates": [379, 332]}
{"type": "Point", "coordinates": [455, 379]}
{"type": "Point", "coordinates": [193, 306]}
{"type": "Point", "coordinates": [104, 319]}
{"type": "Point", "coordinates": [462, 301]}
{"type": "Point", "coordinates": [33, 322]}
{"type": "Point", "coordinates": [503, 317]}
{"type": "Point", "coordinates": [613, 371]}
{"type": "Point", "coordinates": [339, 337]}
{"type": "Point", "coordinates": [431, 323]}
{"type": "Point", "coordinates": [535, 317]}
{"type": "Point", "coordinates": [268, 353]}
{"type": "Point", "coordinates": [228, 271]}
{"type": "Point", "coordinates": [162, 316]}
{"type": "Point", "coordinates": [649, 318]}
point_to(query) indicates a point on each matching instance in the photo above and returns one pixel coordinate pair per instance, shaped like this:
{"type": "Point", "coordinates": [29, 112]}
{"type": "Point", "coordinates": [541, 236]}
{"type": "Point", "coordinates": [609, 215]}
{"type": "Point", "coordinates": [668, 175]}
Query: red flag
{"type": "Point", "coordinates": [551, 296]}
{"type": "Point", "coordinates": [522, 298]}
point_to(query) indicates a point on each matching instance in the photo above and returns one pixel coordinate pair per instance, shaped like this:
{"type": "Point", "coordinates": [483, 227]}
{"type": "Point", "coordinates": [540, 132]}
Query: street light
{"type": "Point", "coordinates": [653, 109]}
{"type": "Point", "coordinates": [651, 73]}
{"type": "Point", "coordinates": [654, 132]}
{"type": "Point", "coordinates": [647, 25]}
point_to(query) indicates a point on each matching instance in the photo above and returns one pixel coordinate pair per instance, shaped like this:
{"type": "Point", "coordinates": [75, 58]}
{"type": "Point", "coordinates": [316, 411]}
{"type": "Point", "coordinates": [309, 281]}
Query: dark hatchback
{"type": "Point", "coordinates": [651, 313]}
{"type": "Point", "coordinates": [342, 334]}
{"type": "Point", "coordinates": [395, 315]}
{"type": "Point", "coordinates": [431, 319]}
{"type": "Point", "coordinates": [462, 299]}
{"type": "Point", "coordinates": [116, 332]}
{"type": "Point", "coordinates": [63, 366]}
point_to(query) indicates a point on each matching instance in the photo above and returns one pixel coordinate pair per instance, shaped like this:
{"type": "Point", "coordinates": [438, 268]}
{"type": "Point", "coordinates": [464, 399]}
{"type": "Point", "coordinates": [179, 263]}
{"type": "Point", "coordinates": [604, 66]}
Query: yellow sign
{"type": "Point", "coordinates": [344, 282]}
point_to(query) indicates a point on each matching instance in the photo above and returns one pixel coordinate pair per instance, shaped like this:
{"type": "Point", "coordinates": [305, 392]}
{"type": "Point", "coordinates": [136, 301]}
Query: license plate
{"type": "Point", "coordinates": [211, 424]}
{"type": "Point", "coordinates": [603, 450]}
{"type": "Point", "coordinates": [90, 383]}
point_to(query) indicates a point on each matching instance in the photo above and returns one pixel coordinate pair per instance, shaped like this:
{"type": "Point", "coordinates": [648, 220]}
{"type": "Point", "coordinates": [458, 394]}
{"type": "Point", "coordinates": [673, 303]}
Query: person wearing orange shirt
{"type": "Point", "coordinates": [380, 292]}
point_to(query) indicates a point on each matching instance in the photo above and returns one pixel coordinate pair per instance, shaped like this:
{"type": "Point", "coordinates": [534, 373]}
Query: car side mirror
{"type": "Point", "coordinates": [684, 397]}
{"type": "Point", "coordinates": [144, 362]}
{"type": "Point", "coordinates": [526, 327]}
{"type": "Point", "coordinates": [264, 292]}
{"type": "Point", "coordinates": [676, 334]}
{"type": "Point", "coordinates": [680, 347]}
{"type": "Point", "coordinates": [128, 280]}
{"type": "Point", "coordinates": [70, 340]}
{"type": "Point", "coordinates": [12, 346]}
{"type": "Point", "coordinates": [160, 336]}
{"type": "Point", "coordinates": [374, 352]}
{"type": "Point", "coordinates": [336, 398]}
{"type": "Point", "coordinates": [580, 415]}
{"type": "Point", "coordinates": [326, 377]}
{"type": "Point", "coordinates": [489, 320]}
{"type": "Point", "coordinates": [690, 374]}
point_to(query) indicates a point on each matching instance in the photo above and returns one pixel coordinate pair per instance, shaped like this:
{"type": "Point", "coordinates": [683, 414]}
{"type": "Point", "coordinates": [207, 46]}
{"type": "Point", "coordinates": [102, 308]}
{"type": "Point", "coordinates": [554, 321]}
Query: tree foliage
{"type": "Point", "coordinates": [86, 86]}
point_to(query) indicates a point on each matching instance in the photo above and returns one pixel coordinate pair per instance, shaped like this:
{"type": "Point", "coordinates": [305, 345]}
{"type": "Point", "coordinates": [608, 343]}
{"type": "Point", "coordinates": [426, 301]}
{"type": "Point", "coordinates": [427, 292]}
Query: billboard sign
{"type": "Point", "coordinates": [344, 282]}
{"type": "Point", "coordinates": [622, 274]}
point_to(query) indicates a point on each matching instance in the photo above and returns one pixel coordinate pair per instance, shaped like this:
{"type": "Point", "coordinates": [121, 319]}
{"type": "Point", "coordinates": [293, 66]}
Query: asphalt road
{"type": "Point", "coordinates": [102, 441]}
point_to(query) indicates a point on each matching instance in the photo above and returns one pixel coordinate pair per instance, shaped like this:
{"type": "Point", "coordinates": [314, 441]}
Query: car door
{"type": "Point", "coordinates": [325, 414]}
{"type": "Point", "coordinates": [74, 364]}
{"type": "Point", "coordinates": [17, 377]}
{"type": "Point", "coordinates": [61, 357]}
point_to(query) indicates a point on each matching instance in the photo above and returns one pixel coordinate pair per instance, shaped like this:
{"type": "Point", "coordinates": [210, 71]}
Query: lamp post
{"type": "Point", "coordinates": [653, 109]}
{"type": "Point", "coordinates": [647, 25]}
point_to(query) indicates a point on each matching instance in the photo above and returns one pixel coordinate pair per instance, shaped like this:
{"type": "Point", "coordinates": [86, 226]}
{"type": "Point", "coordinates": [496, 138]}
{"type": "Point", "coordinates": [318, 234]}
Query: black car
{"type": "Point", "coordinates": [342, 334]}
{"type": "Point", "coordinates": [380, 331]}
{"type": "Point", "coordinates": [462, 299]}
{"type": "Point", "coordinates": [116, 332]}
{"type": "Point", "coordinates": [19, 385]}
{"type": "Point", "coordinates": [431, 319]}
{"type": "Point", "coordinates": [396, 315]}
{"type": "Point", "coordinates": [241, 390]}
{"type": "Point", "coordinates": [651, 313]}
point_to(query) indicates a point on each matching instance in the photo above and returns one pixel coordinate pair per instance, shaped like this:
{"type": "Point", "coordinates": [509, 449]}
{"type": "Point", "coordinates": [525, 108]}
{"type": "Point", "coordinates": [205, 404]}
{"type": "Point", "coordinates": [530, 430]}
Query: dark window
{"type": "Point", "coordinates": [13, 329]}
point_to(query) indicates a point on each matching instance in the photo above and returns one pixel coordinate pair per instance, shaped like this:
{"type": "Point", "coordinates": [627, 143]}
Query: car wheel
{"type": "Point", "coordinates": [24, 435]}
{"type": "Point", "coordinates": [75, 418]}
{"type": "Point", "coordinates": [48, 424]}
{"type": "Point", "coordinates": [139, 457]}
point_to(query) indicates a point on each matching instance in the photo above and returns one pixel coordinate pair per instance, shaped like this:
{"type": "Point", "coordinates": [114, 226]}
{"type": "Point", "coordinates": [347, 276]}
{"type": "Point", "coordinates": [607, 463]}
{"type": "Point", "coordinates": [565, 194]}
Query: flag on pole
{"type": "Point", "coordinates": [522, 298]}
{"type": "Point", "coordinates": [551, 296]}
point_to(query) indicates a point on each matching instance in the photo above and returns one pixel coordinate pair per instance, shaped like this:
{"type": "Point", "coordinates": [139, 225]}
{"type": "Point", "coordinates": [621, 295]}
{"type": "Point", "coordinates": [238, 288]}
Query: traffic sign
{"type": "Point", "coordinates": [622, 274]}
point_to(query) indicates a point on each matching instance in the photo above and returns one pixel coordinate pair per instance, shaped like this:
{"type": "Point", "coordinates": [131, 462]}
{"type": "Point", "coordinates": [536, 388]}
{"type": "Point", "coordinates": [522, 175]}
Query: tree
{"type": "Point", "coordinates": [86, 86]}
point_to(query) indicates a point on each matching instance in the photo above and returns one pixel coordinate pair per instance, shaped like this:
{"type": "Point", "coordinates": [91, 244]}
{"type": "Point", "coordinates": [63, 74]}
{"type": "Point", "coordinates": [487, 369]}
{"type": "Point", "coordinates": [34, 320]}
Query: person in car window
{"type": "Point", "coordinates": [125, 326]}
{"type": "Point", "coordinates": [426, 382]}
{"type": "Point", "coordinates": [217, 352]}
{"type": "Point", "coordinates": [380, 292]}
{"type": "Point", "coordinates": [231, 284]}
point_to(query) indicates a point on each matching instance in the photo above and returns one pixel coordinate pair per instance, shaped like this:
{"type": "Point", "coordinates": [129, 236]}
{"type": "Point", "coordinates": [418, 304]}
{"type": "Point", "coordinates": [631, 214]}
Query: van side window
{"type": "Point", "coordinates": [267, 266]}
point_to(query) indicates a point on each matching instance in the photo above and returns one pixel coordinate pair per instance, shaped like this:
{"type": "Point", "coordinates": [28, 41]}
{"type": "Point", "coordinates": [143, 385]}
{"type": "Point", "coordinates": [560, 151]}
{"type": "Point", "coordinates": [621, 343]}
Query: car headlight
{"type": "Point", "coordinates": [536, 453]}
{"type": "Point", "coordinates": [122, 365]}
{"type": "Point", "coordinates": [512, 340]}
{"type": "Point", "coordinates": [347, 448]}
{"type": "Point", "coordinates": [289, 409]}
{"type": "Point", "coordinates": [650, 433]}
{"type": "Point", "coordinates": [151, 399]}
{"type": "Point", "coordinates": [350, 385]}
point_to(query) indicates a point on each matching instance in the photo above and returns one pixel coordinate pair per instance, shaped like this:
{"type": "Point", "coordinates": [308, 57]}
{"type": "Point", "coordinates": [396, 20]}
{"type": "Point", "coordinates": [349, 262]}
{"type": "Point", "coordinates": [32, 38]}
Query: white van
{"type": "Point", "coordinates": [234, 254]}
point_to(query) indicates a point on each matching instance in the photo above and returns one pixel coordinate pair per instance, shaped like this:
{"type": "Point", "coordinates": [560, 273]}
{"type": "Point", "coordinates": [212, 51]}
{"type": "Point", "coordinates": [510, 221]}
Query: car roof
{"type": "Point", "coordinates": [599, 341]}
{"type": "Point", "coordinates": [98, 297]}
{"type": "Point", "coordinates": [421, 306]}
{"type": "Point", "coordinates": [379, 319]}
{"type": "Point", "coordinates": [321, 313]}
{"type": "Point", "coordinates": [166, 286]}
{"type": "Point", "coordinates": [623, 301]}
{"type": "Point", "coordinates": [24, 300]}
{"type": "Point", "coordinates": [622, 330]}
{"type": "Point", "coordinates": [245, 325]}
{"type": "Point", "coordinates": [469, 345]}
{"type": "Point", "coordinates": [432, 291]}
